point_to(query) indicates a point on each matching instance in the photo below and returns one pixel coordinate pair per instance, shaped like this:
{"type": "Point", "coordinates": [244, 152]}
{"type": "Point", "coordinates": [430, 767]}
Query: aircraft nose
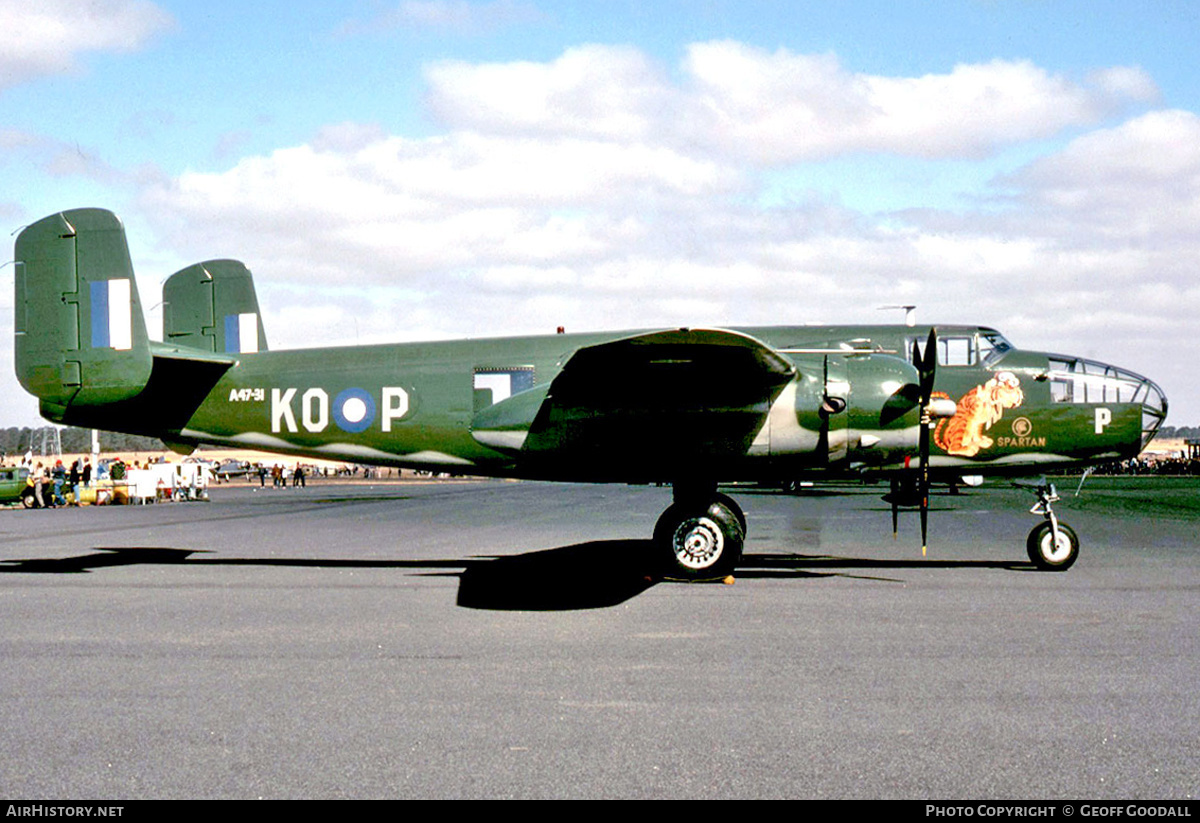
{"type": "Point", "coordinates": [1086, 381]}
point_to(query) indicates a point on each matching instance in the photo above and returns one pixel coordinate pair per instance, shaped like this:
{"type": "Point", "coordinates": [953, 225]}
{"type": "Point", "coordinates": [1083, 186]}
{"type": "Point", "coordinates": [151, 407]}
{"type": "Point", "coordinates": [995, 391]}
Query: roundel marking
{"type": "Point", "coordinates": [353, 410]}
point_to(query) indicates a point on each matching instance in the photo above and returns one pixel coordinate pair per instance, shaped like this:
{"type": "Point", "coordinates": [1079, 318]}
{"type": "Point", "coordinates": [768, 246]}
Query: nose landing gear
{"type": "Point", "coordinates": [1052, 546]}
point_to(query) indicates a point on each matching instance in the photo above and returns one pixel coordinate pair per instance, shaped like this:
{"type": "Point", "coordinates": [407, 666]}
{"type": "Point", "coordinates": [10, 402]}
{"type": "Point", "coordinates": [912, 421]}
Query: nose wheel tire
{"type": "Point", "coordinates": [1049, 554]}
{"type": "Point", "coordinates": [699, 543]}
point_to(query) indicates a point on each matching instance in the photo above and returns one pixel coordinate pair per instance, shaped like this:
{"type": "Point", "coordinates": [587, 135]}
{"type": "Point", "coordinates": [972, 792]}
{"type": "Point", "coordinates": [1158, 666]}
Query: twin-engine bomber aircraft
{"type": "Point", "coordinates": [689, 407]}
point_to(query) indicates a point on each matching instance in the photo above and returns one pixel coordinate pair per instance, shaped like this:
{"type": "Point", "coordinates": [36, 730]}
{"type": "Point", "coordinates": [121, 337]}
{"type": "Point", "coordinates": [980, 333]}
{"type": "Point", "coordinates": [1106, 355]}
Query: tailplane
{"type": "Point", "coordinates": [80, 336]}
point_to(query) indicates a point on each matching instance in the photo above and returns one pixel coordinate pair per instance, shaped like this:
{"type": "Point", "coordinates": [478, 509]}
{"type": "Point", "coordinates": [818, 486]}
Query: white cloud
{"type": "Point", "coordinates": [48, 36]}
{"type": "Point", "coordinates": [396, 207]}
{"type": "Point", "coordinates": [1137, 180]}
{"type": "Point", "coordinates": [1125, 82]}
{"type": "Point", "coordinates": [780, 107]}
{"type": "Point", "coordinates": [609, 92]}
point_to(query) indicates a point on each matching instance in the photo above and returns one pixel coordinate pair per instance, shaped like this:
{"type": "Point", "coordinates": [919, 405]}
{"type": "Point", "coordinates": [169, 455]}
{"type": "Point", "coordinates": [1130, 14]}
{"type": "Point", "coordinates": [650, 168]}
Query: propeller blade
{"type": "Point", "coordinates": [928, 367]}
{"type": "Point", "coordinates": [928, 371]}
{"type": "Point", "coordinates": [903, 400]}
{"type": "Point", "coordinates": [894, 499]}
{"type": "Point", "coordinates": [823, 434]}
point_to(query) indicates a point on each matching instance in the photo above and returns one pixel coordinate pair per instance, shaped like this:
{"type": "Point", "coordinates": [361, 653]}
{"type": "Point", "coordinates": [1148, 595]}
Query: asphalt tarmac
{"type": "Point", "coordinates": [495, 639]}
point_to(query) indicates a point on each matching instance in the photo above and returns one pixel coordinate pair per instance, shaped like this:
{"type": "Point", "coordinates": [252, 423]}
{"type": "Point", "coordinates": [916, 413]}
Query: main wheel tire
{"type": "Point", "coordinates": [699, 543]}
{"type": "Point", "coordinates": [1050, 555]}
{"type": "Point", "coordinates": [731, 504]}
{"type": "Point", "coordinates": [28, 500]}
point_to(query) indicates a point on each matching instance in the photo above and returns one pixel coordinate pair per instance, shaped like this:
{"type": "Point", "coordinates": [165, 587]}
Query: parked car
{"type": "Point", "coordinates": [14, 486]}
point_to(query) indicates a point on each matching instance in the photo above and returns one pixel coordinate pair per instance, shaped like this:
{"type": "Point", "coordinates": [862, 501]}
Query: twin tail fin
{"type": "Point", "coordinates": [80, 336]}
{"type": "Point", "coordinates": [212, 306]}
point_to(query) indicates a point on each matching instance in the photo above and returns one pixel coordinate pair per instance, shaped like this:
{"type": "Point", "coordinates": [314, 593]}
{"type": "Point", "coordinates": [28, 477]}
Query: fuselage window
{"type": "Point", "coordinates": [956, 351]}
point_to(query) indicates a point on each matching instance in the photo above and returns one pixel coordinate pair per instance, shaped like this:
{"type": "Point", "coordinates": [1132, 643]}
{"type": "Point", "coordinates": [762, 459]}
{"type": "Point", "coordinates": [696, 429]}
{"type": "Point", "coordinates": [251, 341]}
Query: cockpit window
{"type": "Point", "coordinates": [992, 346]}
{"type": "Point", "coordinates": [986, 347]}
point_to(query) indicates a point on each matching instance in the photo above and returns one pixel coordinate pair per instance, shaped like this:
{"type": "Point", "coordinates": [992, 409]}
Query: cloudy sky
{"type": "Point", "coordinates": [450, 168]}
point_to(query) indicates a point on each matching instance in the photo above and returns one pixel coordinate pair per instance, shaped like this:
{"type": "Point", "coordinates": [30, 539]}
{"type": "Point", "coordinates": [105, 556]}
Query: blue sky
{"type": "Point", "coordinates": [408, 170]}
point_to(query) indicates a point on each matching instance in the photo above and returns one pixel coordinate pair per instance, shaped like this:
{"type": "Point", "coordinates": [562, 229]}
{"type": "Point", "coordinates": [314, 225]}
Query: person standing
{"type": "Point", "coordinates": [39, 483]}
{"type": "Point", "coordinates": [59, 476]}
{"type": "Point", "coordinates": [73, 482]}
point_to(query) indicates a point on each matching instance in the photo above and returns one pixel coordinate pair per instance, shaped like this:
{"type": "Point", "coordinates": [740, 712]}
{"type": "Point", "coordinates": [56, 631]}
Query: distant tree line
{"type": "Point", "coordinates": [74, 440]}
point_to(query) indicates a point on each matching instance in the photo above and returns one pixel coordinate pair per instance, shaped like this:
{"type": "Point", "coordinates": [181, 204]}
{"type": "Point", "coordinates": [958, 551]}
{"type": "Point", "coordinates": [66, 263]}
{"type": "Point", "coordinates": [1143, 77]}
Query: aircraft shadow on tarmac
{"type": "Point", "coordinates": [591, 575]}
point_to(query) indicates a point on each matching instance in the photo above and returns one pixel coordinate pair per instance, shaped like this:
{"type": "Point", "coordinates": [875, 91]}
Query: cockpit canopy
{"type": "Point", "coordinates": [965, 347]}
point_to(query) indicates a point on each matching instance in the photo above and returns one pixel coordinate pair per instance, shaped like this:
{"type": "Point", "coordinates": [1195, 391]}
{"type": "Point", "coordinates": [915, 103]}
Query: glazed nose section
{"type": "Point", "coordinates": [1154, 410]}
{"type": "Point", "coordinates": [1124, 386]}
{"type": "Point", "coordinates": [1074, 380]}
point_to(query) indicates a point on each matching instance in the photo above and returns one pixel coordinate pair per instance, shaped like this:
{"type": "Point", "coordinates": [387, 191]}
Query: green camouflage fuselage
{"type": "Point", "coordinates": [418, 405]}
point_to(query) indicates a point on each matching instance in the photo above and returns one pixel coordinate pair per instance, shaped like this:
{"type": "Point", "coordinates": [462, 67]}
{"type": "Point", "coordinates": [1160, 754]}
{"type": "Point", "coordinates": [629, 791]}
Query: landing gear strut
{"type": "Point", "coordinates": [1052, 546]}
{"type": "Point", "coordinates": [700, 536]}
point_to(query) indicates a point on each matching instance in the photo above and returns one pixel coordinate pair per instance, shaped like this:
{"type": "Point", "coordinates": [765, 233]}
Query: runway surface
{"type": "Point", "coordinates": [493, 639]}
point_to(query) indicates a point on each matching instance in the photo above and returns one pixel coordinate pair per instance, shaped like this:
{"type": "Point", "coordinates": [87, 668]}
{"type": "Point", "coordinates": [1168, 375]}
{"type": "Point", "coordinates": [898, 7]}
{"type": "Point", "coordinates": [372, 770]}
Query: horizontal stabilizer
{"type": "Point", "coordinates": [79, 331]}
{"type": "Point", "coordinates": [212, 306]}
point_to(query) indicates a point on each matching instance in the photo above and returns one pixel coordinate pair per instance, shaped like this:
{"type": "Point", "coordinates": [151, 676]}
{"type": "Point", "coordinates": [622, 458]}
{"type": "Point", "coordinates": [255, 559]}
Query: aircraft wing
{"type": "Point", "coordinates": [672, 399]}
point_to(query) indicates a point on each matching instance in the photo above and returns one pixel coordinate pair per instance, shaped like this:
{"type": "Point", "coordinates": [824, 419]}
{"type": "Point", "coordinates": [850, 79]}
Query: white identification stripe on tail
{"type": "Point", "coordinates": [120, 314]}
{"type": "Point", "coordinates": [248, 332]}
{"type": "Point", "coordinates": [241, 333]}
{"type": "Point", "coordinates": [112, 314]}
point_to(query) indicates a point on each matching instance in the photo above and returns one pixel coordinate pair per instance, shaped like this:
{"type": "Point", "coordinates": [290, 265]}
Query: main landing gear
{"type": "Point", "coordinates": [1052, 546]}
{"type": "Point", "coordinates": [701, 535]}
